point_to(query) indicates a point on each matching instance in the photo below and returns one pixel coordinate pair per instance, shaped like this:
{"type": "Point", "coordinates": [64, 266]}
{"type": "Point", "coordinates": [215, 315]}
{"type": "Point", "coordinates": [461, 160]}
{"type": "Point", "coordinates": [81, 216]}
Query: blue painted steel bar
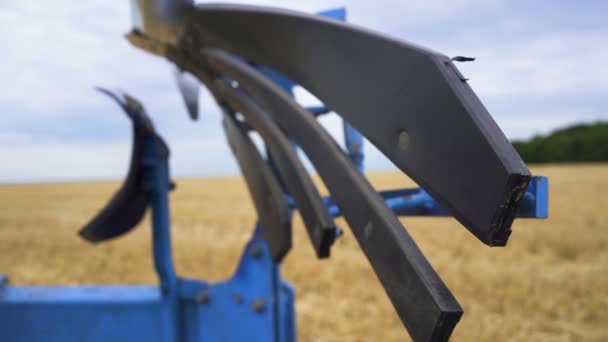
{"type": "Point", "coordinates": [254, 305]}
{"type": "Point", "coordinates": [82, 313]}
{"type": "Point", "coordinates": [157, 183]}
{"type": "Point", "coordinates": [318, 110]}
{"type": "Point", "coordinates": [353, 141]}
{"type": "Point", "coordinates": [417, 202]}
{"type": "Point", "coordinates": [536, 199]}
{"type": "Point", "coordinates": [335, 13]}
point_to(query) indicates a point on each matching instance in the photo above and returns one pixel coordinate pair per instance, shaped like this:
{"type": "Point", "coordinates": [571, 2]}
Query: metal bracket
{"type": "Point", "coordinates": [254, 304]}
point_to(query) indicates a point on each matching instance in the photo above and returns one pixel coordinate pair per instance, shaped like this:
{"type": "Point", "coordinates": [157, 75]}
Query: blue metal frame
{"type": "Point", "coordinates": [254, 305]}
{"type": "Point", "coordinates": [176, 310]}
{"type": "Point", "coordinates": [417, 202]}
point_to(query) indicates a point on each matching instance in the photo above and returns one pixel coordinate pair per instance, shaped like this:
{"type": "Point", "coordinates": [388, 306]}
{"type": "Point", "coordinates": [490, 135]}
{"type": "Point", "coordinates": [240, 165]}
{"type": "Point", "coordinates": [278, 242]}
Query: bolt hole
{"type": "Point", "coordinates": [404, 140]}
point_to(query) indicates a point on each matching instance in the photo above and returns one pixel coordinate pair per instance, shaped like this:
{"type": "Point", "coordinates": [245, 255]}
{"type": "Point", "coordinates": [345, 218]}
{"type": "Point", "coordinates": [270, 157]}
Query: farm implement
{"type": "Point", "coordinates": [410, 102]}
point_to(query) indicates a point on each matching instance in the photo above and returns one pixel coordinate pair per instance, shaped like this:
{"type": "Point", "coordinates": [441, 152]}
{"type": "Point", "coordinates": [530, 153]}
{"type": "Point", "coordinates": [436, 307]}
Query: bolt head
{"type": "Point", "coordinates": [203, 297]}
{"type": "Point", "coordinates": [256, 252]}
{"type": "Point", "coordinates": [258, 305]}
{"type": "Point", "coordinates": [238, 298]}
{"type": "Point", "coordinates": [404, 140]}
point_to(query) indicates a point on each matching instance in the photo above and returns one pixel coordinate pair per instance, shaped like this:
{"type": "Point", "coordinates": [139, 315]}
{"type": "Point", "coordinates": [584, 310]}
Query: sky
{"type": "Point", "coordinates": [540, 66]}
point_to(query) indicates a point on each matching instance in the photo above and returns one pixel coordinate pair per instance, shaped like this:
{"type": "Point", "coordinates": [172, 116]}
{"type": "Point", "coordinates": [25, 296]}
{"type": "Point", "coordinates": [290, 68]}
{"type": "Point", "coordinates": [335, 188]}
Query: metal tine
{"type": "Point", "coordinates": [312, 208]}
{"type": "Point", "coordinates": [265, 191]}
{"type": "Point", "coordinates": [425, 305]}
{"type": "Point", "coordinates": [128, 206]}
{"type": "Point", "coordinates": [319, 224]}
{"type": "Point", "coordinates": [189, 89]}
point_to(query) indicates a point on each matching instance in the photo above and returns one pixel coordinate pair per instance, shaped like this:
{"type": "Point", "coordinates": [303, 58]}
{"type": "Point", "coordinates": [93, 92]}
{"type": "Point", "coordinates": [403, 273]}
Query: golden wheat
{"type": "Point", "coordinates": [550, 283]}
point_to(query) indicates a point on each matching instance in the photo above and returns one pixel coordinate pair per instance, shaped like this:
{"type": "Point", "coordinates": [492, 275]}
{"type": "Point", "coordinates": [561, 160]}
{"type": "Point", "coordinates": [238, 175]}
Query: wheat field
{"type": "Point", "coordinates": [549, 284]}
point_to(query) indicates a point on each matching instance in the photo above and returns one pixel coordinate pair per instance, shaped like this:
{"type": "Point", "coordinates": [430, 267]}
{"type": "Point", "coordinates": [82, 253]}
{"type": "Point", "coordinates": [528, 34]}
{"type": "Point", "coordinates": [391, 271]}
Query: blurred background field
{"type": "Point", "coordinates": [550, 283]}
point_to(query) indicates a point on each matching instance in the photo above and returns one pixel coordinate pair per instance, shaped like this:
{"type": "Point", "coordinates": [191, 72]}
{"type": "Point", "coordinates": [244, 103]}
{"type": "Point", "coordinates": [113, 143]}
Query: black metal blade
{"type": "Point", "coordinates": [319, 224]}
{"type": "Point", "coordinates": [264, 189]}
{"type": "Point", "coordinates": [128, 206]}
{"type": "Point", "coordinates": [425, 305]}
{"type": "Point", "coordinates": [411, 102]}
{"type": "Point", "coordinates": [189, 90]}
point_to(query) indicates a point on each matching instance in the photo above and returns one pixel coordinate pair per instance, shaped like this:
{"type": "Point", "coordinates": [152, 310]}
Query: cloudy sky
{"type": "Point", "coordinates": [540, 65]}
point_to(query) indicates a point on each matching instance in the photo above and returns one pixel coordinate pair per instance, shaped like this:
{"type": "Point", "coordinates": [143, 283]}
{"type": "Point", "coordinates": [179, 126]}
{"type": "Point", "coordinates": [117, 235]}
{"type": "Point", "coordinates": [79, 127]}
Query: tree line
{"type": "Point", "coordinates": [578, 143]}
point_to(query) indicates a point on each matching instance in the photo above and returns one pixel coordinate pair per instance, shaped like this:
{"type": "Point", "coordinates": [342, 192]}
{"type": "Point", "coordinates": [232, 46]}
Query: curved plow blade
{"type": "Point", "coordinates": [410, 102]}
{"type": "Point", "coordinates": [189, 90]}
{"type": "Point", "coordinates": [264, 189]}
{"type": "Point", "coordinates": [425, 305]}
{"type": "Point", "coordinates": [319, 224]}
{"type": "Point", "coordinates": [127, 207]}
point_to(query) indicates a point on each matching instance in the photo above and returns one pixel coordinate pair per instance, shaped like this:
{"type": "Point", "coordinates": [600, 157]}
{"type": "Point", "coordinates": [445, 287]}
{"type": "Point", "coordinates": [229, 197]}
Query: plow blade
{"type": "Point", "coordinates": [128, 206]}
{"type": "Point", "coordinates": [410, 102]}
{"type": "Point", "coordinates": [264, 189]}
{"type": "Point", "coordinates": [425, 305]}
{"type": "Point", "coordinates": [319, 224]}
{"type": "Point", "coordinates": [189, 90]}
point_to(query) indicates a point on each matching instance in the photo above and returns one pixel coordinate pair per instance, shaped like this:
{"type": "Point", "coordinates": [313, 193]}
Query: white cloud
{"type": "Point", "coordinates": [26, 162]}
{"type": "Point", "coordinates": [28, 159]}
{"type": "Point", "coordinates": [53, 53]}
{"type": "Point", "coordinates": [552, 64]}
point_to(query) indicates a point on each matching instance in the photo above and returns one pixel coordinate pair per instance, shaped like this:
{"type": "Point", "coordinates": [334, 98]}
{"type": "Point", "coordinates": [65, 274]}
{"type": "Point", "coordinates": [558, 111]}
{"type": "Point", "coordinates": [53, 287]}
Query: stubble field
{"type": "Point", "coordinates": [550, 283]}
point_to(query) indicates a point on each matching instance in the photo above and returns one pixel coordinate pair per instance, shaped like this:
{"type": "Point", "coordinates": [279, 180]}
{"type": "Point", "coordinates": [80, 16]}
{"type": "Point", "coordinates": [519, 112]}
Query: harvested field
{"type": "Point", "coordinates": [550, 283]}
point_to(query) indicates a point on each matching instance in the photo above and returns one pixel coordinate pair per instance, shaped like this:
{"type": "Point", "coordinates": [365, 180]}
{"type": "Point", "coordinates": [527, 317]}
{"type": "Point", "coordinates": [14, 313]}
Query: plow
{"type": "Point", "coordinates": [410, 102]}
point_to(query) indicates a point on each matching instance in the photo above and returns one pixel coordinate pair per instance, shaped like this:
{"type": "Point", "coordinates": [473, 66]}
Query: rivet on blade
{"type": "Point", "coordinates": [404, 139]}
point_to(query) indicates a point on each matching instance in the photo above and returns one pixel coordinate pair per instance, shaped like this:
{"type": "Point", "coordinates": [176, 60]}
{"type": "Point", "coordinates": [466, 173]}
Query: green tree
{"type": "Point", "coordinates": [579, 143]}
